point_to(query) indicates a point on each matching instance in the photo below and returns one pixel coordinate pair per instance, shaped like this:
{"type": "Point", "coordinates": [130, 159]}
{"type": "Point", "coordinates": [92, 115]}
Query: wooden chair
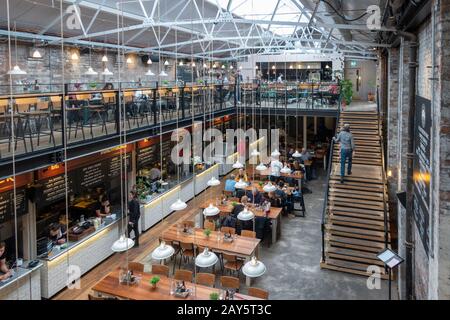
{"type": "Point", "coordinates": [136, 266]}
{"type": "Point", "coordinates": [92, 297]}
{"type": "Point", "coordinates": [187, 251]}
{"type": "Point", "coordinates": [227, 282]}
{"type": "Point", "coordinates": [160, 269]}
{"type": "Point", "coordinates": [209, 225]}
{"type": "Point", "coordinates": [248, 233]}
{"type": "Point", "coordinates": [233, 264]}
{"type": "Point", "coordinates": [228, 194]}
{"type": "Point", "coordinates": [183, 275]}
{"type": "Point", "coordinates": [228, 230]}
{"type": "Point", "coordinates": [258, 293]}
{"type": "Point", "coordinates": [189, 223]}
{"type": "Point", "coordinates": [206, 279]}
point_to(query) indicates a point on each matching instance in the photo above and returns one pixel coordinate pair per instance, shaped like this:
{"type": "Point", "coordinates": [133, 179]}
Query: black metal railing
{"type": "Point", "coordinates": [383, 174]}
{"type": "Point", "coordinates": [325, 204]}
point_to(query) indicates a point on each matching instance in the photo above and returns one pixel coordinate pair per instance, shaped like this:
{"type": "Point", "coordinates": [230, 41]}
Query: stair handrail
{"type": "Point", "coordinates": [383, 173]}
{"type": "Point", "coordinates": [325, 201]}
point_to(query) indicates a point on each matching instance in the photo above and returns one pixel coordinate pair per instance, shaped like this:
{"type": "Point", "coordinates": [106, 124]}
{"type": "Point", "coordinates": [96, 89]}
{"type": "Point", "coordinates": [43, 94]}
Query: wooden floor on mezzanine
{"type": "Point", "coordinates": [355, 228]}
{"type": "Point", "coordinates": [147, 242]}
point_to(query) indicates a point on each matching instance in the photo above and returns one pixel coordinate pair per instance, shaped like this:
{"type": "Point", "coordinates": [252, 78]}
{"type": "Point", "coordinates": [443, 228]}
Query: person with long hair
{"type": "Point", "coordinates": [347, 145]}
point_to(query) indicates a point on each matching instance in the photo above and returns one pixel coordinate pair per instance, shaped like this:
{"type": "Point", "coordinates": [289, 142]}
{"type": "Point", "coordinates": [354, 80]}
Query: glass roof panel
{"type": "Point", "coordinates": [263, 10]}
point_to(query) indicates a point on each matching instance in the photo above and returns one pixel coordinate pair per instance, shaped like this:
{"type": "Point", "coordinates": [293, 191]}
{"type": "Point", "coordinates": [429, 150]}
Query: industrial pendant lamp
{"type": "Point", "coordinates": [122, 244]}
{"type": "Point", "coordinates": [269, 187]}
{"type": "Point", "coordinates": [105, 57]}
{"type": "Point", "coordinates": [206, 259]}
{"type": "Point", "coordinates": [36, 54]}
{"type": "Point", "coordinates": [296, 154]}
{"type": "Point", "coordinates": [213, 182]}
{"type": "Point", "coordinates": [254, 268]}
{"type": "Point", "coordinates": [275, 153]}
{"type": "Point", "coordinates": [286, 169]}
{"type": "Point", "coordinates": [163, 251]}
{"type": "Point", "coordinates": [166, 63]}
{"type": "Point", "coordinates": [238, 165]}
{"type": "Point", "coordinates": [106, 72]}
{"type": "Point", "coordinates": [211, 211]}
{"type": "Point", "coordinates": [149, 73]}
{"type": "Point", "coordinates": [149, 61]}
{"type": "Point", "coordinates": [90, 71]}
{"type": "Point", "coordinates": [245, 215]}
{"type": "Point", "coordinates": [241, 184]}
{"type": "Point", "coordinates": [261, 167]}
{"type": "Point", "coordinates": [163, 74]}
{"type": "Point", "coordinates": [15, 71]}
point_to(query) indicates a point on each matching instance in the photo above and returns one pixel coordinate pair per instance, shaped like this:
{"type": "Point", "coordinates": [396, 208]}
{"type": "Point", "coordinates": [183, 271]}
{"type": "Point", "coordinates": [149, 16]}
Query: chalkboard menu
{"type": "Point", "coordinates": [7, 204]}
{"type": "Point", "coordinates": [92, 175]}
{"type": "Point", "coordinates": [54, 188]}
{"type": "Point", "coordinates": [111, 166]}
{"type": "Point", "coordinates": [147, 155]}
{"type": "Point", "coordinates": [422, 169]}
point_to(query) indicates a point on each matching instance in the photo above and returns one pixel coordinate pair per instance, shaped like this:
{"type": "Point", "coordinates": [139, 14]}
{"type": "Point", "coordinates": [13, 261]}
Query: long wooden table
{"type": "Point", "coordinates": [274, 215]}
{"type": "Point", "coordinates": [244, 247]}
{"type": "Point", "coordinates": [110, 286]}
{"type": "Point", "coordinates": [260, 187]}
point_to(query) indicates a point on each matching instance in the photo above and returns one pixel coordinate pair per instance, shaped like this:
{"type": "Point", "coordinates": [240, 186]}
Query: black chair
{"type": "Point", "coordinates": [299, 209]}
{"type": "Point", "coordinates": [263, 228]}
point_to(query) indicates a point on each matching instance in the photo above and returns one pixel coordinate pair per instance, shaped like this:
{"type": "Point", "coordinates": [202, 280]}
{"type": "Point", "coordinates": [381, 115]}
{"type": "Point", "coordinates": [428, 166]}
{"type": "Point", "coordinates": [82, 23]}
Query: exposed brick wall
{"type": "Point", "coordinates": [48, 69]}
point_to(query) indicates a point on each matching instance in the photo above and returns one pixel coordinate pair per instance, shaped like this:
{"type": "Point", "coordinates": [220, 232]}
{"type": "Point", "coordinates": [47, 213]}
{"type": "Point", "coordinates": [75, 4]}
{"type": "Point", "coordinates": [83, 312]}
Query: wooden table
{"type": "Point", "coordinates": [110, 286]}
{"type": "Point", "coordinates": [260, 188]}
{"type": "Point", "coordinates": [244, 247]}
{"type": "Point", "coordinates": [274, 215]}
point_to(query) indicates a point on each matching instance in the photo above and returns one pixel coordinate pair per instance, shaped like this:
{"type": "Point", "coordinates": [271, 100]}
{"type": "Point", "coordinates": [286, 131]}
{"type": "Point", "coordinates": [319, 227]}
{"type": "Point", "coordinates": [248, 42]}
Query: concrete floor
{"type": "Point", "coordinates": [293, 270]}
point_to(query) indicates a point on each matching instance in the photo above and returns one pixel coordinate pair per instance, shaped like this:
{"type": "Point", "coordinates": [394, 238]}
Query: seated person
{"type": "Point", "coordinates": [242, 175]}
{"type": "Point", "coordinates": [255, 196]}
{"type": "Point", "coordinates": [5, 272]}
{"type": "Point", "coordinates": [230, 183]}
{"type": "Point", "coordinates": [240, 206]}
{"type": "Point", "coordinates": [273, 200]}
{"type": "Point", "coordinates": [103, 207]}
{"type": "Point", "coordinates": [57, 233]}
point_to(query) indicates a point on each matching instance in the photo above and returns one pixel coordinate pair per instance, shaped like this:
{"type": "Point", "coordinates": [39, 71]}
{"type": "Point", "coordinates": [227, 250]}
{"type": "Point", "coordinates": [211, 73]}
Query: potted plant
{"type": "Point", "coordinates": [207, 232]}
{"type": "Point", "coordinates": [154, 281]}
{"type": "Point", "coordinates": [347, 91]}
{"type": "Point", "coordinates": [234, 203]}
{"type": "Point", "coordinates": [261, 183]}
{"type": "Point", "coordinates": [213, 296]}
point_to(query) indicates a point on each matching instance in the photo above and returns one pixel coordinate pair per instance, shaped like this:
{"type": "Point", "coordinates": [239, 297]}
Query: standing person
{"type": "Point", "coordinates": [4, 270]}
{"type": "Point", "coordinates": [275, 168]}
{"type": "Point", "coordinates": [134, 211]}
{"type": "Point", "coordinates": [238, 81]}
{"type": "Point", "coordinates": [347, 144]}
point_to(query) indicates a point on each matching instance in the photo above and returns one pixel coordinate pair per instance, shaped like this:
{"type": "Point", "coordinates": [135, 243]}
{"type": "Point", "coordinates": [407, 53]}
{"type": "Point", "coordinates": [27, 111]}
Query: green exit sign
{"type": "Point", "coordinates": [353, 63]}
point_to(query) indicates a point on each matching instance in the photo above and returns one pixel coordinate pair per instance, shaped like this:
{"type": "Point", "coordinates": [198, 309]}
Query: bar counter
{"type": "Point", "coordinates": [25, 284]}
{"type": "Point", "coordinates": [84, 254]}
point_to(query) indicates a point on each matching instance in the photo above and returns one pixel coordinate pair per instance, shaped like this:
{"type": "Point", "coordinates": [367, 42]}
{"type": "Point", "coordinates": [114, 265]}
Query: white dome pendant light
{"type": "Point", "coordinates": [16, 71]}
{"type": "Point", "coordinates": [211, 211]}
{"type": "Point", "coordinates": [269, 187]}
{"type": "Point", "coordinates": [122, 244]}
{"type": "Point", "coordinates": [213, 182]}
{"type": "Point", "coordinates": [254, 268]}
{"type": "Point", "coordinates": [90, 71]}
{"type": "Point", "coordinates": [206, 259]}
{"type": "Point", "coordinates": [261, 167]}
{"type": "Point", "coordinates": [241, 184]}
{"type": "Point", "coordinates": [245, 215]}
{"type": "Point", "coordinates": [163, 251]}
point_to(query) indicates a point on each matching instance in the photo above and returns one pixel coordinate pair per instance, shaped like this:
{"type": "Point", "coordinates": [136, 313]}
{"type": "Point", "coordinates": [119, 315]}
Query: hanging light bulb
{"type": "Point", "coordinates": [275, 153]}
{"type": "Point", "coordinates": [74, 56]}
{"type": "Point", "coordinates": [273, 67]}
{"type": "Point", "coordinates": [261, 167]}
{"type": "Point", "coordinates": [291, 67]}
{"type": "Point", "coordinates": [193, 64]}
{"type": "Point", "coordinates": [181, 63]}
{"type": "Point", "coordinates": [106, 72]}
{"type": "Point", "coordinates": [163, 251]}
{"type": "Point", "coordinates": [256, 67]}
{"type": "Point", "coordinates": [166, 63]}
{"type": "Point", "coordinates": [149, 61]}
{"type": "Point", "coordinates": [245, 215]}
{"type": "Point", "coordinates": [149, 73]}
{"type": "Point", "coordinates": [104, 58]}
{"type": "Point", "coordinates": [205, 66]}
{"type": "Point", "coordinates": [214, 66]}
{"type": "Point", "coordinates": [163, 74]}
{"type": "Point", "coordinates": [255, 153]}
{"type": "Point", "coordinates": [213, 182]}
{"type": "Point", "coordinates": [36, 54]}
{"type": "Point", "coordinates": [178, 205]}
{"type": "Point", "coordinates": [129, 60]}
{"type": "Point", "coordinates": [231, 67]}
{"type": "Point", "coordinates": [91, 72]}
{"type": "Point", "coordinates": [223, 66]}
{"type": "Point", "coordinates": [122, 244]}
{"type": "Point", "coordinates": [211, 211]}
{"type": "Point", "coordinates": [15, 71]}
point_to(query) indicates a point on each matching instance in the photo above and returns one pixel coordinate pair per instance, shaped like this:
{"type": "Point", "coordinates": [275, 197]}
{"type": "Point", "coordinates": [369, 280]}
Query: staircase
{"type": "Point", "coordinates": [355, 219]}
